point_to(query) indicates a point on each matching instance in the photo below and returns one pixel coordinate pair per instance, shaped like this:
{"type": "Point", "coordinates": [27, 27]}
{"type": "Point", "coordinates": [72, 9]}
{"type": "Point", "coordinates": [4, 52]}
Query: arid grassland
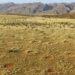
{"type": "Point", "coordinates": [32, 45]}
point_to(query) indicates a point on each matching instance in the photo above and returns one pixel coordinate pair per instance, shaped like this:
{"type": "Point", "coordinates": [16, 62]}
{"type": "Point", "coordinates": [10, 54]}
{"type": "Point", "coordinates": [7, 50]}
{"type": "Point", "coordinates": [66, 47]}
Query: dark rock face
{"type": "Point", "coordinates": [34, 8]}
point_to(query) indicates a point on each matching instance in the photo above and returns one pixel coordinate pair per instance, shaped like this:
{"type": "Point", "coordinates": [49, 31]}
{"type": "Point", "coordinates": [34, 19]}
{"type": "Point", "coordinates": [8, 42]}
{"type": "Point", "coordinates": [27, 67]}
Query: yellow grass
{"type": "Point", "coordinates": [37, 45]}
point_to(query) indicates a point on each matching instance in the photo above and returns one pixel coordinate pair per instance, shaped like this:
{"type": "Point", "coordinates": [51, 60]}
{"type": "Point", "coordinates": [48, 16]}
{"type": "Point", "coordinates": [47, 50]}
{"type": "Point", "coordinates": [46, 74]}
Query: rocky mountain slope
{"type": "Point", "coordinates": [37, 8]}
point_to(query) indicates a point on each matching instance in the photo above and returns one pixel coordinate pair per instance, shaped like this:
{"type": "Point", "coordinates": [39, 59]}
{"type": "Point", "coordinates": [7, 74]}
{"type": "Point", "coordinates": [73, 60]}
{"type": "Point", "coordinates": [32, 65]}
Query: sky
{"type": "Point", "coordinates": [31, 1]}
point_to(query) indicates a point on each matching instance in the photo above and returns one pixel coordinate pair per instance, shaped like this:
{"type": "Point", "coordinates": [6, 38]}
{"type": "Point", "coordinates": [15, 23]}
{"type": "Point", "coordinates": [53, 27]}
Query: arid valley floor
{"type": "Point", "coordinates": [32, 45]}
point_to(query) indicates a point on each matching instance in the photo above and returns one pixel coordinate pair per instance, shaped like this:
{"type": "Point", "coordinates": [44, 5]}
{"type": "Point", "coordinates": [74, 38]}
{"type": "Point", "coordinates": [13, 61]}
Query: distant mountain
{"type": "Point", "coordinates": [37, 8]}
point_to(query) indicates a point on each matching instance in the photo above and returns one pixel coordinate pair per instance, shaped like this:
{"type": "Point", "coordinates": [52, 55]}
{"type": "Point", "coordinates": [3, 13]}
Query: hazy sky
{"type": "Point", "coordinates": [29, 1]}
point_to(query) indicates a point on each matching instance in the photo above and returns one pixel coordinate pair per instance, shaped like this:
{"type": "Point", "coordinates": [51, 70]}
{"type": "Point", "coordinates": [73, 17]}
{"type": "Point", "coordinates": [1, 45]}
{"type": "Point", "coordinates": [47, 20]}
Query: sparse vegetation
{"type": "Point", "coordinates": [37, 45]}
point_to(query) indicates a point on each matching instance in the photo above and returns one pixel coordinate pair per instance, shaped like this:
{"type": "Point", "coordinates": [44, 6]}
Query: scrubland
{"type": "Point", "coordinates": [32, 45]}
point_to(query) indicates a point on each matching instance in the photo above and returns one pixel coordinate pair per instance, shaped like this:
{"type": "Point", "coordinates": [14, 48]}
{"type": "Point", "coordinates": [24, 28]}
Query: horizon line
{"type": "Point", "coordinates": [35, 2]}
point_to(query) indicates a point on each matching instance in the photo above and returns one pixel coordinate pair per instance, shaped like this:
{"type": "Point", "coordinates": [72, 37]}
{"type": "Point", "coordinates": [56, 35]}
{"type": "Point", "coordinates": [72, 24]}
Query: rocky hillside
{"type": "Point", "coordinates": [37, 8]}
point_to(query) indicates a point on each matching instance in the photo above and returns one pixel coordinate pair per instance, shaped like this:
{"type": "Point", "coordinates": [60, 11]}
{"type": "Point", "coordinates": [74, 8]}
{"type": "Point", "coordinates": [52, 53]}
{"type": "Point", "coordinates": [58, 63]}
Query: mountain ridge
{"type": "Point", "coordinates": [38, 8]}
